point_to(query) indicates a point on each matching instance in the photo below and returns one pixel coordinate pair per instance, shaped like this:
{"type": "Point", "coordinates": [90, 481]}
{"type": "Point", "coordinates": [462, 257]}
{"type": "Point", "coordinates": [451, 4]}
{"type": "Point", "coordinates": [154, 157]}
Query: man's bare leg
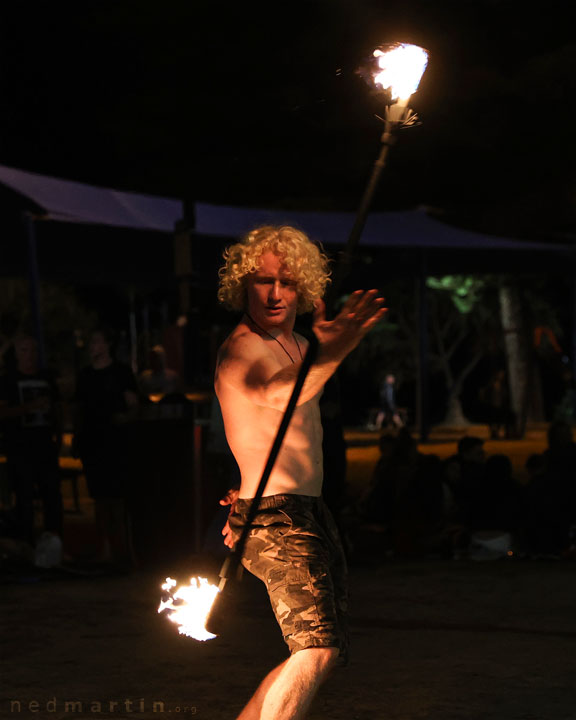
{"type": "Point", "coordinates": [287, 691]}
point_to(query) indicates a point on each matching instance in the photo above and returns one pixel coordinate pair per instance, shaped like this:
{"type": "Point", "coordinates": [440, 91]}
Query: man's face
{"type": "Point", "coordinates": [271, 293]}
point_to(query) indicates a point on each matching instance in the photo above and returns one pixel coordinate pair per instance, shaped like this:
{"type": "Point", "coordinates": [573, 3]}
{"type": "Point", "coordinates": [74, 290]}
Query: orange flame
{"type": "Point", "coordinates": [401, 68]}
{"type": "Point", "coordinates": [188, 606]}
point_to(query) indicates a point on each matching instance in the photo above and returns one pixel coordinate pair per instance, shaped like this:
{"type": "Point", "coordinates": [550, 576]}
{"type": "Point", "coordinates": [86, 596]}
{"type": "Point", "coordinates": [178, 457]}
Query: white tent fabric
{"type": "Point", "coordinates": [406, 229]}
{"type": "Point", "coordinates": [76, 202]}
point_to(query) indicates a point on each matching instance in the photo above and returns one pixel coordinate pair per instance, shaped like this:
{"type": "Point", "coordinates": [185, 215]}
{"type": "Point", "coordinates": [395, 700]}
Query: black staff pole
{"type": "Point", "coordinates": [345, 259]}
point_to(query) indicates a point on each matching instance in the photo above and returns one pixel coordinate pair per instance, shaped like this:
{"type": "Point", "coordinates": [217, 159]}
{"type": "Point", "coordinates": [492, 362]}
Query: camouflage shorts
{"type": "Point", "coordinates": [295, 549]}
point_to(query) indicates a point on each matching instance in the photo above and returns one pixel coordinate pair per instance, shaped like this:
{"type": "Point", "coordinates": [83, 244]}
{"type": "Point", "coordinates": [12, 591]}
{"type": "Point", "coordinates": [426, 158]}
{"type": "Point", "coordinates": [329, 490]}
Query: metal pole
{"type": "Point", "coordinates": [573, 338]}
{"type": "Point", "coordinates": [198, 490]}
{"type": "Point", "coordinates": [422, 371]}
{"type": "Point", "coordinates": [133, 333]}
{"type": "Point", "coordinates": [34, 286]}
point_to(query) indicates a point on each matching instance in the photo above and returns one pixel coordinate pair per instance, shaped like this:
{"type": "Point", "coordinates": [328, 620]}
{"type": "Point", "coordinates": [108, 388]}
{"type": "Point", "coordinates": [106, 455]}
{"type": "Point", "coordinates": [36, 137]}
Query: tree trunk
{"type": "Point", "coordinates": [516, 356]}
{"type": "Point", "coordinates": [454, 414]}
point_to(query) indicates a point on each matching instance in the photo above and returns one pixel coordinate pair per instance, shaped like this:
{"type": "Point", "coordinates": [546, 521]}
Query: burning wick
{"type": "Point", "coordinates": [188, 606]}
{"type": "Point", "coordinates": [400, 68]}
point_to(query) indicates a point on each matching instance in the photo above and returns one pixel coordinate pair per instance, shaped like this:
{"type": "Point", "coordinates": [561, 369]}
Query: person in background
{"type": "Point", "coordinates": [495, 398]}
{"type": "Point", "coordinates": [31, 415]}
{"type": "Point", "coordinates": [388, 413]}
{"type": "Point", "coordinates": [106, 398]}
{"type": "Point", "coordinates": [498, 506]}
{"type": "Point", "coordinates": [158, 379]}
{"type": "Point", "coordinates": [560, 462]}
{"type": "Point", "coordinates": [472, 460]}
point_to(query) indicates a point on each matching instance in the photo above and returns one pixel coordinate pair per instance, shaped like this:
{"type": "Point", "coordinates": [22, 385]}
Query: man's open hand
{"type": "Point", "coordinates": [340, 336]}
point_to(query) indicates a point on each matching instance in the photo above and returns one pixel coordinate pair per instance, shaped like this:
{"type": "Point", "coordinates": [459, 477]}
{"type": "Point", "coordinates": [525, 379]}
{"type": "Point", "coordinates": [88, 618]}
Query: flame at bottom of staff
{"type": "Point", "coordinates": [188, 606]}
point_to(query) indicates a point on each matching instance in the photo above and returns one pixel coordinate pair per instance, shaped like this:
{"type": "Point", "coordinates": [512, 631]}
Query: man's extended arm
{"type": "Point", "coordinates": [259, 377]}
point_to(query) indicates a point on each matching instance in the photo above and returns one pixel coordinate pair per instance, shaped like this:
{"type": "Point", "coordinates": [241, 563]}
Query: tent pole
{"type": "Point", "coordinates": [133, 332]}
{"type": "Point", "coordinates": [573, 336]}
{"type": "Point", "coordinates": [34, 286]}
{"type": "Point", "coordinates": [422, 358]}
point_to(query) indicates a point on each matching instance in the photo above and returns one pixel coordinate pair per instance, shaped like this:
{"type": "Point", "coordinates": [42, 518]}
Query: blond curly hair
{"type": "Point", "coordinates": [305, 261]}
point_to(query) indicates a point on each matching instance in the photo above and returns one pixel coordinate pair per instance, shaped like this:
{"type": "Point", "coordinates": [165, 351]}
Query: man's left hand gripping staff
{"type": "Point", "coordinates": [229, 499]}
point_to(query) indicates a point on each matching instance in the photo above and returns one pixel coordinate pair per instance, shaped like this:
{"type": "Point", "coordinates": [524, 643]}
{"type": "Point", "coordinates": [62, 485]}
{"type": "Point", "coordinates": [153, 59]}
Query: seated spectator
{"type": "Point", "coordinates": [560, 455]}
{"type": "Point", "coordinates": [544, 522]}
{"type": "Point", "coordinates": [560, 458]}
{"type": "Point", "coordinates": [549, 508]}
{"type": "Point", "coordinates": [497, 504]}
{"type": "Point", "coordinates": [455, 530]}
{"type": "Point", "coordinates": [157, 379]}
{"type": "Point", "coordinates": [535, 467]}
{"type": "Point", "coordinates": [451, 476]}
{"type": "Point", "coordinates": [377, 502]}
{"type": "Point", "coordinates": [405, 495]}
{"type": "Point", "coordinates": [471, 450]}
{"type": "Point", "coordinates": [472, 459]}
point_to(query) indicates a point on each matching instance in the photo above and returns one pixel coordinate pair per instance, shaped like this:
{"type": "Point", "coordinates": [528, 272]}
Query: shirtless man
{"type": "Point", "coordinates": [293, 547]}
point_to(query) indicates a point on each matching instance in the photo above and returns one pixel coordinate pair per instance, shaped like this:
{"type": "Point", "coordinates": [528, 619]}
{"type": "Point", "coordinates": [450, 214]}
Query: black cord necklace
{"type": "Point", "coordinates": [278, 341]}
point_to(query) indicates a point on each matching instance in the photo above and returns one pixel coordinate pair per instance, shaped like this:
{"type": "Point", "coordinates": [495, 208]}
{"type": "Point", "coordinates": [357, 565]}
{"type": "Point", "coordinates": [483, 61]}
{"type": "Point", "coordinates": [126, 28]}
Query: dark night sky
{"type": "Point", "coordinates": [259, 103]}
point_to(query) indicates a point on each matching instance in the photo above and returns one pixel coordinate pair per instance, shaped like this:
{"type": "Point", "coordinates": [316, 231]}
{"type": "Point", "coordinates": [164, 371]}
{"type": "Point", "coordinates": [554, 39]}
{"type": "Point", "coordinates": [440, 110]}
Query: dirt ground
{"type": "Point", "coordinates": [431, 640]}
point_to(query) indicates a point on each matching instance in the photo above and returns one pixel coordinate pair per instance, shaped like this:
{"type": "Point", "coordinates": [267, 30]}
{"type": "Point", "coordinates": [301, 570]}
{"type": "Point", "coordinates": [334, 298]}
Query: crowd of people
{"type": "Point", "coordinates": [106, 397]}
{"type": "Point", "coordinates": [471, 505]}
{"type": "Point", "coordinates": [425, 505]}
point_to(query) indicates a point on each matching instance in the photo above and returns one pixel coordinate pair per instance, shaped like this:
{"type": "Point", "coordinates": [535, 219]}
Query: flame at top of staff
{"type": "Point", "coordinates": [401, 68]}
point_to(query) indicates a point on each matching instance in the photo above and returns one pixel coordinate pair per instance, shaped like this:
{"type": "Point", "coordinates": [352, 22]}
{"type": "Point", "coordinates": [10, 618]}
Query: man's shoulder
{"type": "Point", "coordinates": [242, 351]}
{"type": "Point", "coordinates": [242, 342]}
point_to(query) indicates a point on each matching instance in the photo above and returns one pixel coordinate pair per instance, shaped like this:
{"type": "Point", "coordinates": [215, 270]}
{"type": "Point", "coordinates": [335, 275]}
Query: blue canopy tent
{"type": "Point", "coordinates": [73, 202]}
{"type": "Point", "coordinates": [405, 229]}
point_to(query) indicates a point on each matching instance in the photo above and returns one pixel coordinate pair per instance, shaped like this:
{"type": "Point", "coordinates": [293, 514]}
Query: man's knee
{"type": "Point", "coordinates": [322, 658]}
{"type": "Point", "coordinates": [331, 655]}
